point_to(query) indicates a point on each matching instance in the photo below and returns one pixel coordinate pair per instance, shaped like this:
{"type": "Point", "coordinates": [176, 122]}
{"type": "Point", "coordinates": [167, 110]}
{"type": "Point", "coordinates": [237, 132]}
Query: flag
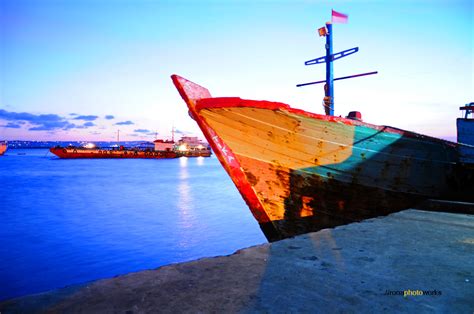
{"type": "Point", "coordinates": [338, 17]}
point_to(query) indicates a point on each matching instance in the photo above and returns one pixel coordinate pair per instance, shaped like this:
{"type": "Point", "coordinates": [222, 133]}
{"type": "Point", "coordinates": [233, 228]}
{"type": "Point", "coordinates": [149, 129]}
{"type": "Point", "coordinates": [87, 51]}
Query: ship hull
{"type": "Point", "coordinates": [75, 153]}
{"type": "Point", "coordinates": [3, 148]}
{"type": "Point", "coordinates": [300, 172]}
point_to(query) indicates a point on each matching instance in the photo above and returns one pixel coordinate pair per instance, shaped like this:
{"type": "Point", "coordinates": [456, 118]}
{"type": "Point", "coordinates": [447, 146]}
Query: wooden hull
{"type": "Point", "coordinates": [74, 153]}
{"type": "Point", "coordinates": [301, 172]}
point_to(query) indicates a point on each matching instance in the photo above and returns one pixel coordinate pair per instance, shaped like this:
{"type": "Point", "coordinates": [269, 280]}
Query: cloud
{"type": "Point", "coordinates": [12, 125]}
{"type": "Point", "coordinates": [39, 122]}
{"type": "Point", "coordinates": [142, 131]}
{"type": "Point", "coordinates": [86, 118]}
{"type": "Point", "coordinates": [179, 132]}
{"type": "Point", "coordinates": [33, 118]}
{"type": "Point", "coordinates": [73, 114]}
{"type": "Point", "coordinates": [85, 125]}
{"type": "Point", "coordinates": [54, 125]}
{"type": "Point", "coordinates": [128, 122]}
{"type": "Point", "coordinates": [109, 117]}
{"type": "Point", "coordinates": [42, 122]}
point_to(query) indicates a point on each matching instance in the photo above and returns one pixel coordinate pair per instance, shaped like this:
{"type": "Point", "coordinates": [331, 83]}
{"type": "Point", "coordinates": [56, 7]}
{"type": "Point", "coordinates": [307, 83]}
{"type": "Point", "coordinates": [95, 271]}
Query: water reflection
{"type": "Point", "coordinates": [185, 201]}
{"type": "Point", "coordinates": [200, 161]}
{"type": "Point", "coordinates": [183, 162]}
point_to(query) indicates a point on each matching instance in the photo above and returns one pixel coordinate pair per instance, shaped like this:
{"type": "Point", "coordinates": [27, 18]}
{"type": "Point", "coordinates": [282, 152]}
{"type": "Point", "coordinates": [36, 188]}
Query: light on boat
{"type": "Point", "coordinates": [182, 148]}
{"type": "Point", "coordinates": [89, 145]}
{"type": "Point", "coordinates": [200, 147]}
{"type": "Point", "coordinates": [322, 31]}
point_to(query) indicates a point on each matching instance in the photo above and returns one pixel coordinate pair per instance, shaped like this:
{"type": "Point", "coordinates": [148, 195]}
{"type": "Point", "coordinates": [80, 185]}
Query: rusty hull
{"type": "Point", "coordinates": [300, 172]}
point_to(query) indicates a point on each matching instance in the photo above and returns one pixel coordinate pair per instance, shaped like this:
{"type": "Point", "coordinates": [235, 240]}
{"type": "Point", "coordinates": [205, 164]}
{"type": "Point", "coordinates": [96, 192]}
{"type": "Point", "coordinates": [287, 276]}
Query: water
{"type": "Point", "coordinates": [65, 222]}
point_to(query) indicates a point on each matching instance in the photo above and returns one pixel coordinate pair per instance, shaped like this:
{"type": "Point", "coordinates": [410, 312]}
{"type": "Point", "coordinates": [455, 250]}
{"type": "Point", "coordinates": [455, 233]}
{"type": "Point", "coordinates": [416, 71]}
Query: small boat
{"type": "Point", "coordinates": [82, 152]}
{"type": "Point", "coordinates": [3, 148]}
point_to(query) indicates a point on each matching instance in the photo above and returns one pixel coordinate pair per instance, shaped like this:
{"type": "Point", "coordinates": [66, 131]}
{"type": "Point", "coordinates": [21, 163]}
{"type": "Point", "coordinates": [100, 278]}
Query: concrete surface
{"type": "Point", "coordinates": [361, 267]}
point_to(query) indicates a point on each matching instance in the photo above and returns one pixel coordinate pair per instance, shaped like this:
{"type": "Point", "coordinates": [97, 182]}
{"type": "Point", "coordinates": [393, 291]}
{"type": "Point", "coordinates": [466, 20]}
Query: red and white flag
{"type": "Point", "coordinates": [338, 17]}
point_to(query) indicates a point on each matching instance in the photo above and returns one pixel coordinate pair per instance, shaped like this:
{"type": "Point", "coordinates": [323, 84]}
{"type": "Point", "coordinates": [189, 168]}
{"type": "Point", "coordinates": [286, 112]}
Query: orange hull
{"type": "Point", "coordinates": [74, 153]}
{"type": "Point", "coordinates": [3, 148]}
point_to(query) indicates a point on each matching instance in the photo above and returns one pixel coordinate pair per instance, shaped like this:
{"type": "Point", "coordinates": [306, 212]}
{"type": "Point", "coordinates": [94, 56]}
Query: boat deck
{"type": "Point", "coordinates": [360, 267]}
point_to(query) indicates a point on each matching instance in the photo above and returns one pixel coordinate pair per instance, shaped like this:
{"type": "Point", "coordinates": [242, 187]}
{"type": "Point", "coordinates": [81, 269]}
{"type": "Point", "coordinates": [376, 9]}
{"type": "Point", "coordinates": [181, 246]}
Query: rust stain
{"type": "Point", "coordinates": [253, 180]}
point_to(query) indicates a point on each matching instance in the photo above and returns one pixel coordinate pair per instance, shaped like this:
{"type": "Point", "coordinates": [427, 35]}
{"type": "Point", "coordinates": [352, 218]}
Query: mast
{"type": "Point", "coordinates": [329, 87]}
{"type": "Point", "coordinates": [118, 136]}
{"type": "Point", "coordinates": [326, 31]}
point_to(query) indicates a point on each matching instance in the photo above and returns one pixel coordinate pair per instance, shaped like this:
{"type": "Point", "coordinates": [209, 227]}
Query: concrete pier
{"type": "Point", "coordinates": [411, 261]}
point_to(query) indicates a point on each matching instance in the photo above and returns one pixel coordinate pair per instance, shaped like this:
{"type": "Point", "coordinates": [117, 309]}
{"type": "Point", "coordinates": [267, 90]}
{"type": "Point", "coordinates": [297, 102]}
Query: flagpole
{"type": "Point", "coordinates": [329, 88]}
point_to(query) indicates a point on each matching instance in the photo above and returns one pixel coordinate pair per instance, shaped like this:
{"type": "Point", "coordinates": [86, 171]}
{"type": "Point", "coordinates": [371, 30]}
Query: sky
{"type": "Point", "coordinates": [84, 69]}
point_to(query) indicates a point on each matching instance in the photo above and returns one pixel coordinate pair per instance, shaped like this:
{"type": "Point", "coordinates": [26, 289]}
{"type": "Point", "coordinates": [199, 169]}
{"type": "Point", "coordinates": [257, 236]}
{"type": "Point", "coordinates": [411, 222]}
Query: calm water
{"type": "Point", "coordinates": [71, 221]}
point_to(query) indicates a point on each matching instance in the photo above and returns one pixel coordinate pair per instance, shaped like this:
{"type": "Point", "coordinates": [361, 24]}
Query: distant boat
{"type": "Point", "coordinates": [186, 147]}
{"type": "Point", "coordinates": [300, 171]}
{"type": "Point", "coordinates": [3, 148]}
{"type": "Point", "coordinates": [121, 152]}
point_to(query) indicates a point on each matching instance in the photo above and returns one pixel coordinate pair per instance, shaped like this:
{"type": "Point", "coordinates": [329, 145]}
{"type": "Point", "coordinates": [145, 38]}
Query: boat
{"type": "Point", "coordinates": [186, 147]}
{"type": "Point", "coordinates": [3, 148]}
{"type": "Point", "coordinates": [300, 172]}
{"type": "Point", "coordinates": [121, 152]}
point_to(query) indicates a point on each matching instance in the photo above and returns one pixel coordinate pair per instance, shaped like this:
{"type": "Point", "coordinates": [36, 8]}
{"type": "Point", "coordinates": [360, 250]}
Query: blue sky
{"type": "Point", "coordinates": [81, 70]}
